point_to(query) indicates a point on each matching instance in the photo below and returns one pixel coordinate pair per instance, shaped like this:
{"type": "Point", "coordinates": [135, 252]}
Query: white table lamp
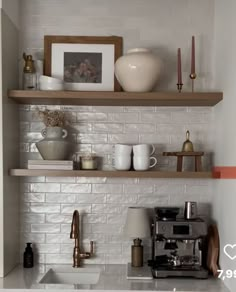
{"type": "Point", "coordinates": [136, 227]}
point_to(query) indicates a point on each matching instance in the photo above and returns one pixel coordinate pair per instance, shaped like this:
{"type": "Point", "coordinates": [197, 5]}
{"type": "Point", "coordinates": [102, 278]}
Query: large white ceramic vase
{"type": "Point", "coordinates": [53, 146]}
{"type": "Point", "coordinates": [138, 70]}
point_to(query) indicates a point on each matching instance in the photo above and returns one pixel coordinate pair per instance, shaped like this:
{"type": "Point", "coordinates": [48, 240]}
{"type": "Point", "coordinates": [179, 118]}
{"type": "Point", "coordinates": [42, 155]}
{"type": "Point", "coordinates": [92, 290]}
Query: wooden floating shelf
{"type": "Point", "coordinates": [101, 173]}
{"type": "Point", "coordinates": [110, 98]}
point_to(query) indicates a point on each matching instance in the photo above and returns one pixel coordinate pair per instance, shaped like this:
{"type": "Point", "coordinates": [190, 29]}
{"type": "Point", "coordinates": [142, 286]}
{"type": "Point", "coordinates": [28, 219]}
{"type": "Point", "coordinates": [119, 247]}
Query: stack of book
{"type": "Point", "coordinates": [51, 164]}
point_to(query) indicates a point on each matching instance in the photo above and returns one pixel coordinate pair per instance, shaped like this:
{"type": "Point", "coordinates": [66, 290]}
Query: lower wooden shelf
{"type": "Point", "coordinates": [102, 173]}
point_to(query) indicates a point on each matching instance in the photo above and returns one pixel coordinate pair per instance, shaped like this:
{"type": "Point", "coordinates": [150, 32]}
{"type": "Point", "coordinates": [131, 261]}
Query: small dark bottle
{"type": "Point", "coordinates": [28, 256]}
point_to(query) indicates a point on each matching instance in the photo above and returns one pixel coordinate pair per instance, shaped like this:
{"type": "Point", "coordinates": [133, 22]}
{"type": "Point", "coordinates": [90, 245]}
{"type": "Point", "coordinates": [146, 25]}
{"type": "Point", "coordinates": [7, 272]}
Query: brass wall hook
{"type": "Point", "coordinates": [187, 145]}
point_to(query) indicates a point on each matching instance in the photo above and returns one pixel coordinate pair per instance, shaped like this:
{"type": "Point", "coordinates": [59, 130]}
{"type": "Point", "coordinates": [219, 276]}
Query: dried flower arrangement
{"type": "Point", "coordinates": [53, 118]}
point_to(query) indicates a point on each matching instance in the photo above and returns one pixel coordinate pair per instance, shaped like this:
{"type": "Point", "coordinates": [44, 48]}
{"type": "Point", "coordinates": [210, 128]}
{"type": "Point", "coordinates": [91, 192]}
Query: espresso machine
{"type": "Point", "coordinates": [178, 245]}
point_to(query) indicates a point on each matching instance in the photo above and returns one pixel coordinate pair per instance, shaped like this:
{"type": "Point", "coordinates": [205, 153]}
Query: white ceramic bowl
{"type": "Point", "coordinates": [48, 79]}
{"type": "Point", "coordinates": [51, 86]}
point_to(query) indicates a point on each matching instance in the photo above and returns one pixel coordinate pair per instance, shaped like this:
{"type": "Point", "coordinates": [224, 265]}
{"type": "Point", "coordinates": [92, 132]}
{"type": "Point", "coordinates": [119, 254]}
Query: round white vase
{"type": "Point", "coordinates": [138, 70]}
{"type": "Point", "coordinates": [53, 146]}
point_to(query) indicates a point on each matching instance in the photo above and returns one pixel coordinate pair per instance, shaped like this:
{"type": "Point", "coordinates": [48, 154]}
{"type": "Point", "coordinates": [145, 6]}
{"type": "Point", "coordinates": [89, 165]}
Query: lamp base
{"type": "Point", "coordinates": [137, 253]}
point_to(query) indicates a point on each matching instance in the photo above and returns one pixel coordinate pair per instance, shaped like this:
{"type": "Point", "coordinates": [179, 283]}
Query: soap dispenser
{"type": "Point", "coordinates": [28, 256]}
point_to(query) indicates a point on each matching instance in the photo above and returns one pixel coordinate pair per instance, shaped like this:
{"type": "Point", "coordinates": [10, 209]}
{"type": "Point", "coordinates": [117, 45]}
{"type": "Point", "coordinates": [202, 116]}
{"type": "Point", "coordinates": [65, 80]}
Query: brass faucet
{"type": "Point", "coordinates": [75, 234]}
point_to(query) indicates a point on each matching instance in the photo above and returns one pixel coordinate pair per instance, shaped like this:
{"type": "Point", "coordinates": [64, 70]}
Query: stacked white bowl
{"type": "Point", "coordinates": [50, 83]}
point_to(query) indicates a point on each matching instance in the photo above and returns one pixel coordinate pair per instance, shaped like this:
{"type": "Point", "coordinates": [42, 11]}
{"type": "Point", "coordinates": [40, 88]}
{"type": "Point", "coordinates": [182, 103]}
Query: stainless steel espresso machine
{"type": "Point", "coordinates": [178, 245]}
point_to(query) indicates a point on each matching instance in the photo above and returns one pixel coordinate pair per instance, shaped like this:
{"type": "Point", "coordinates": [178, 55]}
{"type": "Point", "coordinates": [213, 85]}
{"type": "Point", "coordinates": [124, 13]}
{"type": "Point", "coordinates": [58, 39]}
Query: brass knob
{"type": "Point", "coordinates": [187, 145]}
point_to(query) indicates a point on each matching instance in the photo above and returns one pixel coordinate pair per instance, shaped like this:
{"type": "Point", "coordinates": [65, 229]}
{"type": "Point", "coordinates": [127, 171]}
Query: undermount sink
{"type": "Point", "coordinates": [69, 275]}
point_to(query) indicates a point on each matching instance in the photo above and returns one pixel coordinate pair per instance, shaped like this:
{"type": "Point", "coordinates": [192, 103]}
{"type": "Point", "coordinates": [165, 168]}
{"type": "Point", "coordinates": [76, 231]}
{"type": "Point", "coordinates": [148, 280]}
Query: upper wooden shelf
{"type": "Point", "coordinates": [102, 173]}
{"type": "Point", "coordinates": [110, 98]}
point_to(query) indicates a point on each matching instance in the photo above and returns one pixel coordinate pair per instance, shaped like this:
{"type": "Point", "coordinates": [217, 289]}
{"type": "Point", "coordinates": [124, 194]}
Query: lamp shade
{"type": "Point", "coordinates": [137, 223]}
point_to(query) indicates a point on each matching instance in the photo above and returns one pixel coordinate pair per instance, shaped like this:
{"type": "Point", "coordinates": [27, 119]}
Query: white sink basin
{"type": "Point", "coordinates": [84, 276]}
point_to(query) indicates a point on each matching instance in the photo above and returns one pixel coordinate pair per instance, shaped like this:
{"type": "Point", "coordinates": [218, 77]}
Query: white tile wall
{"type": "Point", "coordinates": [47, 203]}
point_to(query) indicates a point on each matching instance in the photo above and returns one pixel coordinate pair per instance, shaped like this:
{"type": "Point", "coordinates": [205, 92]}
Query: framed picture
{"type": "Point", "coordinates": [85, 63]}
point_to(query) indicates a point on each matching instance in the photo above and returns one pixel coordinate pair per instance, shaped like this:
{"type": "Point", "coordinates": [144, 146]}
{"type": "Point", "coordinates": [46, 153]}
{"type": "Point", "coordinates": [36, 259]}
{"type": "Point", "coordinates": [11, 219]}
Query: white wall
{"type": "Point", "coordinates": [11, 8]}
{"type": "Point", "coordinates": [225, 120]}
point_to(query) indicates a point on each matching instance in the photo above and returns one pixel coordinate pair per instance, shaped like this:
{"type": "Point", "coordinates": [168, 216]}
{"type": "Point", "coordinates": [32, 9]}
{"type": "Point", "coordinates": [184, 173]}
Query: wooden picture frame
{"type": "Point", "coordinates": [106, 49]}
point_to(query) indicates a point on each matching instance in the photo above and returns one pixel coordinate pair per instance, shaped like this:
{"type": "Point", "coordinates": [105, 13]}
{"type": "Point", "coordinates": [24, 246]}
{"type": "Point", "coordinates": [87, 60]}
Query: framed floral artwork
{"type": "Point", "coordinates": [85, 63]}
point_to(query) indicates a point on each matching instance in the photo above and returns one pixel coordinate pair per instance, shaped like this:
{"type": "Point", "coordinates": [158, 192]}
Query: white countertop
{"type": "Point", "coordinates": [112, 277]}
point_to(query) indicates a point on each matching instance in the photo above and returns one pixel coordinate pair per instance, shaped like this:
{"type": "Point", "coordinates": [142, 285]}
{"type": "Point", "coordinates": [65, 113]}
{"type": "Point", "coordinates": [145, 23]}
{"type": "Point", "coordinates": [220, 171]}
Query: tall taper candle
{"type": "Point", "coordinates": [179, 67]}
{"type": "Point", "coordinates": [193, 56]}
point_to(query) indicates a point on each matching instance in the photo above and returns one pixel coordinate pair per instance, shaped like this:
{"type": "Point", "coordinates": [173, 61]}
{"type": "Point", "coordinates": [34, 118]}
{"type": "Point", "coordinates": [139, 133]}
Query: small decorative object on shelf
{"type": "Point", "coordinates": [88, 161]}
{"type": "Point", "coordinates": [53, 146]}
{"type": "Point", "coordinates": [29, 73]}
{"type": "Point", "coordinates": [187, 145]}
{"type": "Point", "coordinates": [193, 74]}
{"type": "Point", "coordinates": [85, 63]}
{"type": "Point", "coordinates": [179, 71]}
{"type": "Point", "coordinates": [187, 150]}
{"type": "Point", "coordinates": [138, 70]}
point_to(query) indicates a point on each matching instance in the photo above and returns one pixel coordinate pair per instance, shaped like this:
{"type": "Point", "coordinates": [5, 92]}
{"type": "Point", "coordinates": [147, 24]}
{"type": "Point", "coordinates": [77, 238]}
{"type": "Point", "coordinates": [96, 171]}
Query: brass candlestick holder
{"type": "Point", "coordinates": [193, 76]}
{"type": "Point", "coordinates": [179, 86]}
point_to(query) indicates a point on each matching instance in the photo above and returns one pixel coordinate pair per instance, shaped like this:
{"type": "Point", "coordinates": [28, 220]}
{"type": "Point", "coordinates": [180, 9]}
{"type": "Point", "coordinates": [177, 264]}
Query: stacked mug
{"type": "Point", "coordinates": [123, 156]}
{"type": "Point", "coordinates": [142, 159]}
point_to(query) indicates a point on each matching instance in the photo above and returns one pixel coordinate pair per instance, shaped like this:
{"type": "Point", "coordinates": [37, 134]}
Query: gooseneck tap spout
{"type": "Point", "coordinates": [75, 234]}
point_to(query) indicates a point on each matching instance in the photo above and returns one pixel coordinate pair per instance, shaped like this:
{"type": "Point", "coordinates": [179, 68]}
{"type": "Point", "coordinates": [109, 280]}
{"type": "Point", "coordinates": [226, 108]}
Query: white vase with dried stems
{"type": "Point", "coordinates": [53, 146]}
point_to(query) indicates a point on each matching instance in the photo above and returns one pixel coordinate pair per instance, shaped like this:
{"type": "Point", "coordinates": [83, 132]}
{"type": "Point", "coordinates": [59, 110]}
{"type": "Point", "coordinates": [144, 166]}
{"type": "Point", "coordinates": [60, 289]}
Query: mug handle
{"type": "Point", "coordinates": [155, 161]}
{"type": "Point", "coordinates": [153, 149]}
{"type": "Point", "coordinates": [65, 133]}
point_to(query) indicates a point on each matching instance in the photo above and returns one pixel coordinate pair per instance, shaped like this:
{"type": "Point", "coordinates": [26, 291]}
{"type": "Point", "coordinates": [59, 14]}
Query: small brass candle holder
{"type": "Point", "coordinates": [193, 76]}
{"type": "Point", "coordinates": [179, 86]}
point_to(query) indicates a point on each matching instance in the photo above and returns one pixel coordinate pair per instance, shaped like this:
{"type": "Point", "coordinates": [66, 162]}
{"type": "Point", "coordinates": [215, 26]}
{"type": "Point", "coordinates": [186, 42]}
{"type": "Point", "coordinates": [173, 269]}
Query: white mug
{"type": "Point", "coordinates": [143, 162]}
{"type": "Point", "coordinates": [123, 149]}
{"type": "Point", "coordinates": [144, 149]}
{"type": "Point", "coordinates": [122, 162]}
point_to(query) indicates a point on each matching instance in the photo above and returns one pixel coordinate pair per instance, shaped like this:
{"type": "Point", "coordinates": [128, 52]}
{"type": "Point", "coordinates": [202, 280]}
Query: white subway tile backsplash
{"type": "Point", "coordinates": [33, 197]}
{"type": "Point", "coordinates": [123, 138]}
{"type": "Point", "coordinates": [58, 218]}
{"type": "Point", "coordinates": [106, 228]}
{"type": "Point", "coordinates": [45, 228]}
{"type": "Point", "coordinates": [57, 238]}
{"type": "Point", "coordinates": [107, 188]}
{"type": "Point", "coordinates": [69, 208]}
{"type": "Point", "coordinates": [59, 179]}
{"type": "Point", "coordinates": [108, 128]}
{"type": "Point", "coordinates": [139, 128]}
{"type": "Point", "coordinates": [44, 208]}
{"type": "Point", "coordinates": [125, 199]}
{"type": "Point", "coordinates": [90, 198]}
{"type": "Point", "coordinates": [60, 198]}
{"type": "Point", "coordinates": [33, 237]}
{"type": "Point", "coordinates": [139, 188]}
{"type": "Point", "coordinates": [92, 138]}
{"type": "Point", "coordinates": [33, 218]}
{"type": "Point", "coordinates": [59, 259]}
{"type": "Point", "coordinates": [45, 187]}
{"type": "Point", "coordinates": [47, 203]}
{"type": "Point", "coordinates": [81, 117]}
{"type": "Point", "coordinates": [94, 218]}
{"type": "Point", "coordinates": [90, 180]}
{"type": "Point", "coordinates": [124, 117]}
{"type": "Point", "coordinates": [108, 209]}
{"type": "Point", "coordinates": [76, 188]}
{"type": "Point", "coordinates": [48, 248]}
